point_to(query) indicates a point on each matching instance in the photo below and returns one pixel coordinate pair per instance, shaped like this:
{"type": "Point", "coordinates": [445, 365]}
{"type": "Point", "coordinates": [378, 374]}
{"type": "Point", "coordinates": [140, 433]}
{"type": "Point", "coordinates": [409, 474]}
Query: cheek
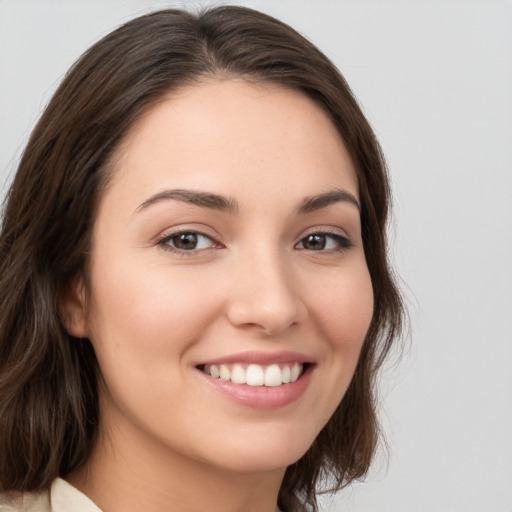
{"type": "Point", "coordinates": [344, 308]}
{"type": "Point", "coordinates": [142, 329]}
{"type": "Point", "coordinates": [149, 316]}
{"type": "Point", "coordinates": [341, 308]}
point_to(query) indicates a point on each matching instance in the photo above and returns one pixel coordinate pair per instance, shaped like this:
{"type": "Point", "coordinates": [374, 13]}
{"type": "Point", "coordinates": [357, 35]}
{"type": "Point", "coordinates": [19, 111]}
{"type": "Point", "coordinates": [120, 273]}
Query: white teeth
{"type": "Point", "coordinates": [238, 375]}
{"type": "Point", "coordinates": [273, 376]}
{"type": "Point", "coordinates": [287, 374]}
{"type": "Point", "coordinates": [225, 374]}
{"type": "Point", "coordinates": [296, 371]}
{"type": "Point", "coordinates": [255, 374]}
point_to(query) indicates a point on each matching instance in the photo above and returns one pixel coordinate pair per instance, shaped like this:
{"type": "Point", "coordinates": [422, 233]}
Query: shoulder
{"type": "Point", "coordinates": [61, 497]}
{"type": "Point", "coordinates": [37, 501]}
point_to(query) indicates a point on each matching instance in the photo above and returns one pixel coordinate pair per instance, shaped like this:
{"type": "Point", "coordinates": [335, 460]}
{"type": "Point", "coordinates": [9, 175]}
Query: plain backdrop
{"type": "Point", "coordinates": [435, 79]}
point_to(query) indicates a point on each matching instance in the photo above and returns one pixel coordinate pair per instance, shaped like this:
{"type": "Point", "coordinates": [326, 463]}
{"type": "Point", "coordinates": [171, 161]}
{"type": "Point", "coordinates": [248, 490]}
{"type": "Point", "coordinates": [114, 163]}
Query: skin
{"type": "Point", "coordinates": [168, 440]}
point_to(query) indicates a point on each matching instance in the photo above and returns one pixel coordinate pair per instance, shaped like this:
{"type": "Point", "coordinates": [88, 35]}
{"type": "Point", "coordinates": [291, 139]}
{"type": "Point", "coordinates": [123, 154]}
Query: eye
{"type": "Point", "coordinates": [187, 241]}
{"type": "Point", "coordinates": [324, 242]}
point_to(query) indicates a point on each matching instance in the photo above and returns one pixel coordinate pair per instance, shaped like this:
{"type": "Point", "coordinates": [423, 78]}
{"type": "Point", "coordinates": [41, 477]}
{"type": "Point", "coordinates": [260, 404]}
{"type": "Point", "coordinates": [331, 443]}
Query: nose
{"type": "Point", "coordinates": [264, 295]}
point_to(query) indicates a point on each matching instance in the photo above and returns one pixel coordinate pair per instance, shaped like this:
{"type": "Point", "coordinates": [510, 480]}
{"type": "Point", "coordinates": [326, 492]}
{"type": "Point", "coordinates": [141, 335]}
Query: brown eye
{"type": "Point", "coordinates": [184, 241]}
{"type": "Point", "coordinates": [187, 241]}
{"type": "Point", "coordinates": [314, 242]}
{"type": "Point", "coordinates": [324, 242]}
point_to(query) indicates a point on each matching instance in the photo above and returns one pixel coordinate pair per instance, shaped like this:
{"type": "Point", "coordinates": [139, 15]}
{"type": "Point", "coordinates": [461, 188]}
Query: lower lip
{"type": "Point", "coordinates": [262, 397]}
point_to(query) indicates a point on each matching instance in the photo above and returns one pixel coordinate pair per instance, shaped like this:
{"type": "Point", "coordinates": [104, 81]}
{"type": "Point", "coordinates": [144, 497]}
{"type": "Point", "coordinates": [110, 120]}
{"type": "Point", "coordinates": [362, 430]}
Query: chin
{"type": "Point", "coordinates": [265, 452]}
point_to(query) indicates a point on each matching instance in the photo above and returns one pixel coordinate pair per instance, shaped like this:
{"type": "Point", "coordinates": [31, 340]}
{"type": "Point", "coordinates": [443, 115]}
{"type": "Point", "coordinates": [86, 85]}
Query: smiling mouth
{"type": "Point", "coordinates": [272, 375]}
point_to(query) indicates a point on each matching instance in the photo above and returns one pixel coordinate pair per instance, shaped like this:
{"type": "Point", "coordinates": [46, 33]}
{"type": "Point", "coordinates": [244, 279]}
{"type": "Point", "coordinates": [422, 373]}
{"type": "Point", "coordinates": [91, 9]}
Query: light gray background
{"type": "Point", "coordinates": [435, 79]}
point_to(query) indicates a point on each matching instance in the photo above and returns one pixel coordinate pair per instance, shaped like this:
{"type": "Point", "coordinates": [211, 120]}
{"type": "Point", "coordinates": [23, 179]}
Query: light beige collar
{"type": "Point", "coordinates": [64, 498]}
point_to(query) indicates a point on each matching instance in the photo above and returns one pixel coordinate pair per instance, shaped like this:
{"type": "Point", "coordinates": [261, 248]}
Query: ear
{"type": "Point", "coordinates": [73, 308]}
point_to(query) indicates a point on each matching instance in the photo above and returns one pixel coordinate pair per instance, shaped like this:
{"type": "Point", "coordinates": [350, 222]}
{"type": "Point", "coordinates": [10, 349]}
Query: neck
{"type": "Point", "coordinates": [129, 473]}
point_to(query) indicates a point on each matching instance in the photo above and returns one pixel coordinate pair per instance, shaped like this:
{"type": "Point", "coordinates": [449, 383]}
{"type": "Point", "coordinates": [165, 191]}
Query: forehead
{"type": "Point", "coordinates": [230, 137]}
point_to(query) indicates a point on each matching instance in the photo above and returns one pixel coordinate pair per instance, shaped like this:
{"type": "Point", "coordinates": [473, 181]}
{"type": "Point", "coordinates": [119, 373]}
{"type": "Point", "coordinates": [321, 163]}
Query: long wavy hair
{"type": "Point", "coordinates": [49, 412]}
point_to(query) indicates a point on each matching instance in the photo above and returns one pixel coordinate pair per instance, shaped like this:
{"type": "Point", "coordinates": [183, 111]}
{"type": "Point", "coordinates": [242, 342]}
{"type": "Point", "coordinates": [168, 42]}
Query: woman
{"type": "Point", "coordinates": [194, 291]}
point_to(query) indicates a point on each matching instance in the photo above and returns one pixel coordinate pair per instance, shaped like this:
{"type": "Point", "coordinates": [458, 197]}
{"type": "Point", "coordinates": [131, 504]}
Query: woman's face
{"type": "Point", "coordinates": [228, 242]}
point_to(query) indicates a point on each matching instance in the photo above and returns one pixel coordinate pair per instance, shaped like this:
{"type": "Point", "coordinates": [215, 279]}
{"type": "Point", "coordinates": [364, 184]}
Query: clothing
{"type": "Point", "coordinates": [62, 497]}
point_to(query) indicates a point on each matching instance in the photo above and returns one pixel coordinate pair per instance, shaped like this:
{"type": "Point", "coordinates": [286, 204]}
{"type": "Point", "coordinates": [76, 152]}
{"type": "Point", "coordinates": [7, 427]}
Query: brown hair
{"type": "Point", "coordinates": [48, 381]}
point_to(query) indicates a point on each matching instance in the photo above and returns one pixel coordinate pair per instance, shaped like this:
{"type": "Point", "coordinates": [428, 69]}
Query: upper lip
{"type": "Point", "coordinates": [261, 358]}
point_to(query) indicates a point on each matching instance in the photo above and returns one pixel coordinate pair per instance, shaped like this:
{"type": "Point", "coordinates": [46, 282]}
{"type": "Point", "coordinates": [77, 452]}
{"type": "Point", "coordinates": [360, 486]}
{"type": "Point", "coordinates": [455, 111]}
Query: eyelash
{"type": "Point", "coordinates": [164, 242]}
{"type": "Point", "coordinates": [343, 242]}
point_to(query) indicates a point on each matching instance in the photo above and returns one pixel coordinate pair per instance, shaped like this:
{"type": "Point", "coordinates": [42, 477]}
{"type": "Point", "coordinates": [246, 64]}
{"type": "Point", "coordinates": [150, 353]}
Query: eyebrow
{"type": "Point", "coordinates": [226, 204]}
{"type": "Point", "coordinates": [314, 203]}
{"type": "Point", "coordinates": [204, 199]}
